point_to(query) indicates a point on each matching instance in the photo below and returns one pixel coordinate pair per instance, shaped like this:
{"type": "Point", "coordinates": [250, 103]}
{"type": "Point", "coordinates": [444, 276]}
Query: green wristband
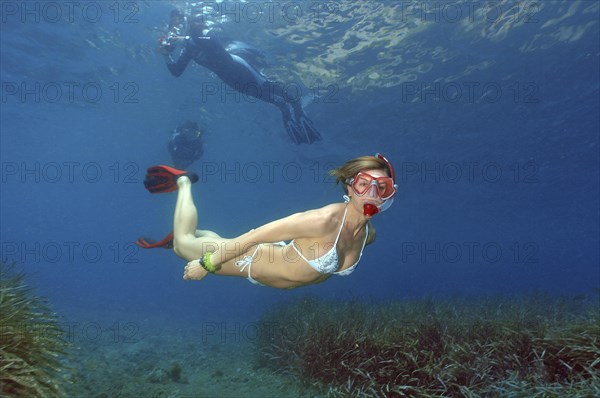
{"type": "Point", "coordinates": [207, 264]}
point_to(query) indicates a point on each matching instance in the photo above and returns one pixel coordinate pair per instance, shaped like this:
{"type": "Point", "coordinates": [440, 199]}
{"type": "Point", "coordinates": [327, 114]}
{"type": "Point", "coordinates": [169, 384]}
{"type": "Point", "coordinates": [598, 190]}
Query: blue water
{"type": "Point", "coordinates": [488, 111]}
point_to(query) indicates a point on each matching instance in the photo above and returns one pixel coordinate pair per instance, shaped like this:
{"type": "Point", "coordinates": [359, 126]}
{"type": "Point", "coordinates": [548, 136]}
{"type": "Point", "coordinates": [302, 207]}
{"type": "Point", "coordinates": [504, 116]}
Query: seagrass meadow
{"type": "Point", "coordinates": [527, 346]}
{"type": "Point", "coordinates": [534, 346]}
{"type": "Point", "coordinates": [32, 344]}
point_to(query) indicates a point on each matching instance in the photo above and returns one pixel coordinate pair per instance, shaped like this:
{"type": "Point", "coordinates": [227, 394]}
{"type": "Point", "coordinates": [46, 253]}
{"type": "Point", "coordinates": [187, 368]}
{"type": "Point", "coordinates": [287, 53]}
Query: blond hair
{"type": "Point", "coordinates": [354, 166]}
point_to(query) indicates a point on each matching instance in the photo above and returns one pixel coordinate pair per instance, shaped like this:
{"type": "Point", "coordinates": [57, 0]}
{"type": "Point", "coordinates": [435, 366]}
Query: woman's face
{"type": "Point", "coordinates": [369, 196]}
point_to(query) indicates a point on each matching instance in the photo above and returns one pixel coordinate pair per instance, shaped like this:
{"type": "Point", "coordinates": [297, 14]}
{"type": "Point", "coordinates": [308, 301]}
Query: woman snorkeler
{"type": "Point", "coordinates": [262, 254]}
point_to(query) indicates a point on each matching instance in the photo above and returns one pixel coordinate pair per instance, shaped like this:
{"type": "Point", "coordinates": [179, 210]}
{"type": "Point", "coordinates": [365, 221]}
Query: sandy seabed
{"type": "Point", "coordinates": [128, 360]}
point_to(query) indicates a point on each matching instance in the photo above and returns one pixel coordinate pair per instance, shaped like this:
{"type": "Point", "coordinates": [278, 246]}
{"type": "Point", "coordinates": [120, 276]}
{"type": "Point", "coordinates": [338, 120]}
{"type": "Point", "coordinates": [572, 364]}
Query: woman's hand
{"type": "Point", "coordinates": [194, 271]}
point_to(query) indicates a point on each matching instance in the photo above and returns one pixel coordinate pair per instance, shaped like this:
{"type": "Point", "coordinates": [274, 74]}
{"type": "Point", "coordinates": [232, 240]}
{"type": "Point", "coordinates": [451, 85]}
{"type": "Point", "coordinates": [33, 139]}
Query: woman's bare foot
{"type": "Point", "coordinates": [194, 271]}
{"type": "Point", "coordinates": [183, 181]}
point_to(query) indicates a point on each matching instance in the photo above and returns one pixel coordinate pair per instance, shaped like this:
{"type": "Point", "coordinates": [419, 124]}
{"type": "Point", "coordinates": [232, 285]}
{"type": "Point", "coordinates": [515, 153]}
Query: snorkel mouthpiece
{"type": "Point", "coordinates": [369, 209]}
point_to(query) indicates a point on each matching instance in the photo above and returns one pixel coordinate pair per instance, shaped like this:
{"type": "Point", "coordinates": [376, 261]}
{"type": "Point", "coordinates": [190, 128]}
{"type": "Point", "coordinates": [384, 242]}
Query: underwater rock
{"type": "Point", "coordinates": [175, 372]}
{"type": "Point", "coordinates": [217, 373]}
{"type": "Point", "coordinates": [158, 375]}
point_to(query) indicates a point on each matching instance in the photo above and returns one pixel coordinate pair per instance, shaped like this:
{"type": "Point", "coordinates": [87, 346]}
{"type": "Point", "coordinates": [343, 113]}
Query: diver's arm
{"type": "Point", "coordinates": [178, 67]}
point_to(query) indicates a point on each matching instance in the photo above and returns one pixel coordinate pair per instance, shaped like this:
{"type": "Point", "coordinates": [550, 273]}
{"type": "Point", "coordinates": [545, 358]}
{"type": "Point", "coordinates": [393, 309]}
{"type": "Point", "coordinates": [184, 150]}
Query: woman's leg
{"type": "Point", "coordinates": [186, 243]}
{"type": "Point", "coordinates": [189, 243]}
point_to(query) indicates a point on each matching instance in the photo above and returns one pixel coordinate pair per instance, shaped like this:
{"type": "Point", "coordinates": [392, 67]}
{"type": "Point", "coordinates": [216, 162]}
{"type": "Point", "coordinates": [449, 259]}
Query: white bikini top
{"type": "Point", "coordinates": [328, 263]}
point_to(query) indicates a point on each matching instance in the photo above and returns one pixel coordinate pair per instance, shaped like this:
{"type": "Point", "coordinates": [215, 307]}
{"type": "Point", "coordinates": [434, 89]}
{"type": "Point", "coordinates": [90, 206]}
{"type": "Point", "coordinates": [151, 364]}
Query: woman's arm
{"type": "Point", "coordinates": [312, 223]}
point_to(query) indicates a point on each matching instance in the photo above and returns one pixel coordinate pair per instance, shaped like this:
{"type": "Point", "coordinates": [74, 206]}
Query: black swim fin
{"type": "Point", "coordinates": [161, 178]}
{"type": "Point", "coordinates": [310, 132]}
{"type": "Point", "coordinates": [299, 127]}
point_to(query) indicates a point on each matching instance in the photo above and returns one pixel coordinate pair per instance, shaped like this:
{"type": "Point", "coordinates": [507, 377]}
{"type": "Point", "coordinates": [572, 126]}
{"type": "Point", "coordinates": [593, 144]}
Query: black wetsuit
{"type": "Point", "coordinates": [239, 74]}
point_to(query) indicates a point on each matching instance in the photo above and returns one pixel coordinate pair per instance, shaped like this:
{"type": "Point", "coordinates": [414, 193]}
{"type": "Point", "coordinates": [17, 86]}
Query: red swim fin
{"type": "Point", "coordinates": [165, 243]}
{"type": "Point", "coordinates": [162, 178]}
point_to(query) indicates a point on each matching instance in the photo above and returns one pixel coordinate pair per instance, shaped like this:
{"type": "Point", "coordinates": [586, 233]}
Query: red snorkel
{"type": "Point", "coordinates": [369, 209]}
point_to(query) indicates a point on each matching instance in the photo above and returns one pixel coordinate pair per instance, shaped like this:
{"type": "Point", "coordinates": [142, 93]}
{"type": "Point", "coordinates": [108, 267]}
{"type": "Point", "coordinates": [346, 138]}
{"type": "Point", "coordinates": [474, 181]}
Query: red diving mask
{"type": "Point", "coordinates": [375, 187]}
{"type": "Point", "coordinates": [383, 188]}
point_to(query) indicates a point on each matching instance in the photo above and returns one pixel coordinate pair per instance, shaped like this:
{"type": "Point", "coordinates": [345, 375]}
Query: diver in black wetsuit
{"type": "Point", "coordinates": [185, 145]}
{"type": "Point", "coordinates": [235, 70]}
